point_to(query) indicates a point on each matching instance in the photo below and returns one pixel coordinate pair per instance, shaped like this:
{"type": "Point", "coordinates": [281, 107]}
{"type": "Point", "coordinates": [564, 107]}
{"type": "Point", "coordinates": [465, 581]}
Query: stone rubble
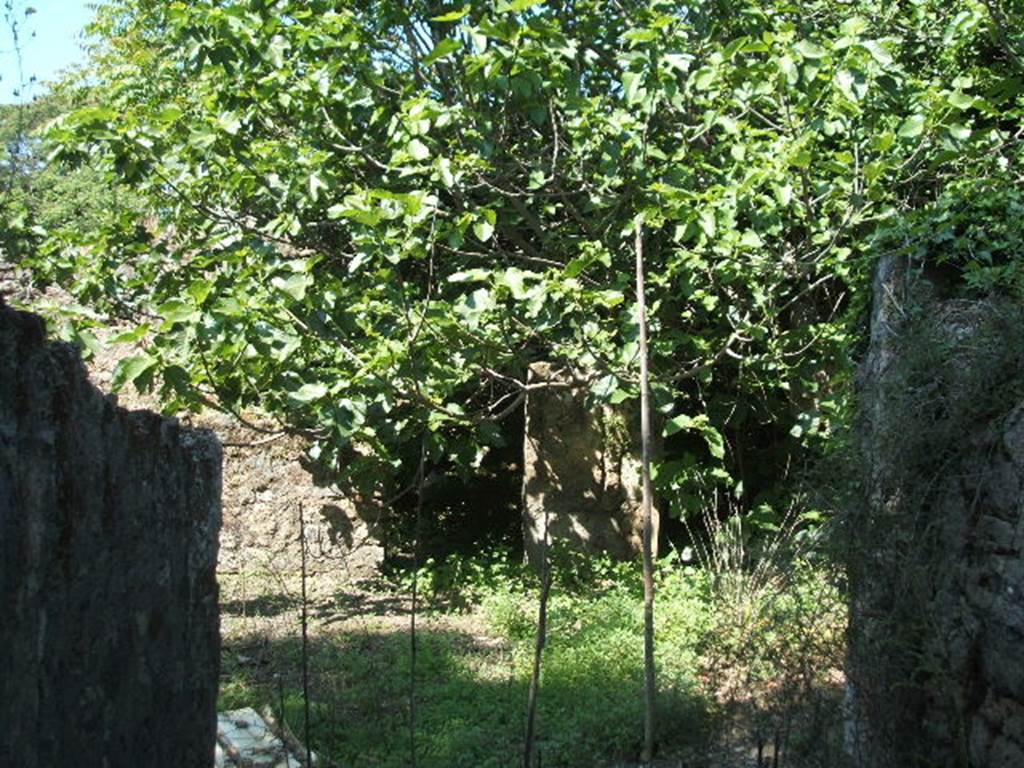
{"type": "Point", "coordinates": [245, 740]}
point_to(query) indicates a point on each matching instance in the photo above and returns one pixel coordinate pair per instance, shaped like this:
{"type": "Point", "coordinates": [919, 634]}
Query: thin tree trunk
{"type": "Point", "coordinates": [542, 631]}
{"type": "Point", "coordinates": [648, 544]}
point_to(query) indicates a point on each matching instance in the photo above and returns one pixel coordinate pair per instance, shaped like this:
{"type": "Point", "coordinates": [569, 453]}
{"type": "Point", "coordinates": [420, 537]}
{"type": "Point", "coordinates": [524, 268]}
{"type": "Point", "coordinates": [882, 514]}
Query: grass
{"type": "Point", "coordinates": [474, 654]}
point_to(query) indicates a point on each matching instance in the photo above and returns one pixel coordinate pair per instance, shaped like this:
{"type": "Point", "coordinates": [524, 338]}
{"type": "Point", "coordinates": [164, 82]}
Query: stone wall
{"type": "Point", "coordinates": [581, 472]}
{"type": "Point", "coordinates": [265, 482]}
{"type": "Point", "coordinates": [265, 479]}
{"type": "Point", "coordinates": [936, 666]}
{"type": "Point", "coordinates": [109, 649]}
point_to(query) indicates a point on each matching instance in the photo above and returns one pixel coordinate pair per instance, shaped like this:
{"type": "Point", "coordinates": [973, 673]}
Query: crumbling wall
{"type": "Point", "coordinates": [581, 472]}
{"type": "Point", "coordinates": [109, 649]}
{"type": "Point", "coordinates": [265, 485]}
{"type": "Point", "coordinates": [265, 482]}
{"type": "Point", "coordinates": [936, 666]}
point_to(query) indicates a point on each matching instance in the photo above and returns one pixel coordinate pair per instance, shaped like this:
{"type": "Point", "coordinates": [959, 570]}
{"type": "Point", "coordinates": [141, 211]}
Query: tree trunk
{"type": "Point", "coordinates": [648, 544]}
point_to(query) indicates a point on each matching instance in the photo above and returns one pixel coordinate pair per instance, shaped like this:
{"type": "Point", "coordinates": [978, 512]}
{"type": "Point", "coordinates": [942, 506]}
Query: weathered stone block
{"type": "Point", "coordinates": [581, 471]}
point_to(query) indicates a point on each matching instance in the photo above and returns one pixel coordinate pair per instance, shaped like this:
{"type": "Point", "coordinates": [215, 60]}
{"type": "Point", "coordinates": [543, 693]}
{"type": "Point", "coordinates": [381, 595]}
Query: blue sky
{"type": "Point", "coordinates": [57, 43]}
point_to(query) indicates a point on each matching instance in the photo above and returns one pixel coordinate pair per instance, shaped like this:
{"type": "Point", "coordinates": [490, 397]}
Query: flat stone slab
{"type": "Point", "coordinates": [244, 740]}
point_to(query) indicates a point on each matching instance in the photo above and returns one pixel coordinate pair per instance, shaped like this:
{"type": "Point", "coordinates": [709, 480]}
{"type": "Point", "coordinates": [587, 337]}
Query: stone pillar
{"type": "Point", "coordinates": [936, 666]}
{"type": "Point", "coordinates": [581, 471]}
{"type": "Point", "coordinates": [109, 647]}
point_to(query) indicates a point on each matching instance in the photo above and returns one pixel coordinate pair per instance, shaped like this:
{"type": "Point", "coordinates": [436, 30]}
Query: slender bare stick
{"type": "Point", "coordinates": [305, 642]}
{"type": "Point", "coordinates": [648, 545]}
{"type": "Point", "coordinates": [542, 631]}
{"type": "Point", "coordinates": [415, 597]}
{"type": "Point", "coordinates": [280, 700]}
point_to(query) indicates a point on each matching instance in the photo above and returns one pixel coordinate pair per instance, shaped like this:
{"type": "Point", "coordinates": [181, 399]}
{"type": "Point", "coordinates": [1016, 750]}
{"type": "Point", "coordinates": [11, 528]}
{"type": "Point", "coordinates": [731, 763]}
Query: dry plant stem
{"type": "Point", "coordinates": [280, 700]}
{"type": "Point", "coordinates": [542, 630]}
{"type": "Point", "coordinates": [305, 642]}
{"type": "Point", "coordinates": [648, 545]}
{"type": "Point", "coordinates": [415, 598]}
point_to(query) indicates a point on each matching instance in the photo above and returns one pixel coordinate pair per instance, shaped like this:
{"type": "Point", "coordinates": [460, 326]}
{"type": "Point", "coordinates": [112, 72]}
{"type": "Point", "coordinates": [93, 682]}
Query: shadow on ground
{"type": "Point", "coordinates": [328, 607]}
{"type": "Point", "coordinates": [471, 699]}
{"type": "Point", "coordinates": [260, 606]}
{"type": "Point", "coordinates": [472, 683]}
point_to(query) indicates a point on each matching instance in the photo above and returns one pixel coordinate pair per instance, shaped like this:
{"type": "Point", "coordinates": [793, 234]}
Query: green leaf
{"type": "Point", "coordinates": [959, 131]}
{"type": "Point", "coordinates": [514, 279]}
{"type": "Point", "coordinates": [199, 290]}
{"type": "Point", "coordinates": [133, 336]}
{"type": "Point", "coordinates": [605, 386]}
{"type": "Point", "coordinates": [294, 285]}
{"type": "Point", "coordinates": [706, 221]}
{"type": "Point", "coordinates": [170, 114]}
{"type": "Point", "coordinates": [641, 35]}
{"type": "Point", "coordinates": [715, 442]}
{"type": "Point", "coordinates": [703, 78]}
{"type": "Point", "coordinates": [229, 123]}
{"type": "Point", "coordinates": [453, 15]}
{"type": "Point", "coordinates": [853, 26]}
{"type": "Point", "coordinates": [472, 307]}
{"type": "Point", "coordinates": [620, 396]}
{"type": "Point", "coordinates": [878, 52]}
{"type": "Point", "coordinates": [960, 100]}
{"type": "Point", "coordinates": [177, 311]}
{"type": "Point", "coordinates": [130, 369]}
{"type": "Point", "coordinates": [678, 424]}
{"type": "Point", "coordinates": [276, 51]}
{"type": "Point", "coordinates": [517, 6]}
{"type": "Point", "coordinates": [632, 84]}
{"type": "Point", "coordinates": [788, 68]}
{"type": "Point", "coordinates": [609, 298]}
{"type": "Point", "coordinates": [852, 84]}
{"type": "Point", "coordinates": [418, 150]}
{"type": "Point", "coordinates": [712, 437]}
{"type": "Point", "coordinates": [912, 127]}
{"type": "Point", "coordinates": [444, 169]}
{"type": "Point", "coordinates": [727, 124]}
{"type": "Point", "coordinates": [810, 50]}
{"type": "Point", "coordinates": [483, 228]}
{"type": "Point", "coordinates": [750, 239]}
{"type": "Point", "coordinates": [315, 185]}
{"type": "Point", "coordinates": [307, 393]}
{"type": "Point", "coordinates": [470, 276]}
{"type": "Point", "coordinates": [444, 48]}
{"type": "Point", "coordinates": [678, 61]}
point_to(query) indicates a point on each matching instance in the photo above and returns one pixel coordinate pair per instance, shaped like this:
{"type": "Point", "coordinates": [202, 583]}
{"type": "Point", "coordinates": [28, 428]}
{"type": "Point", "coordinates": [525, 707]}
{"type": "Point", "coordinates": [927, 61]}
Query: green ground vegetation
{"type": "Point", "coordinates": [742, 657]}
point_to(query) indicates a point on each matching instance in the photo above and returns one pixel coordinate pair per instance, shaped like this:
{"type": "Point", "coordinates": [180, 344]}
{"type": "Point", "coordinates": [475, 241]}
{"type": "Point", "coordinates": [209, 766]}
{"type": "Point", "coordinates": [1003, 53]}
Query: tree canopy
{"type": "Point", "coordinates": [367, 219]}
